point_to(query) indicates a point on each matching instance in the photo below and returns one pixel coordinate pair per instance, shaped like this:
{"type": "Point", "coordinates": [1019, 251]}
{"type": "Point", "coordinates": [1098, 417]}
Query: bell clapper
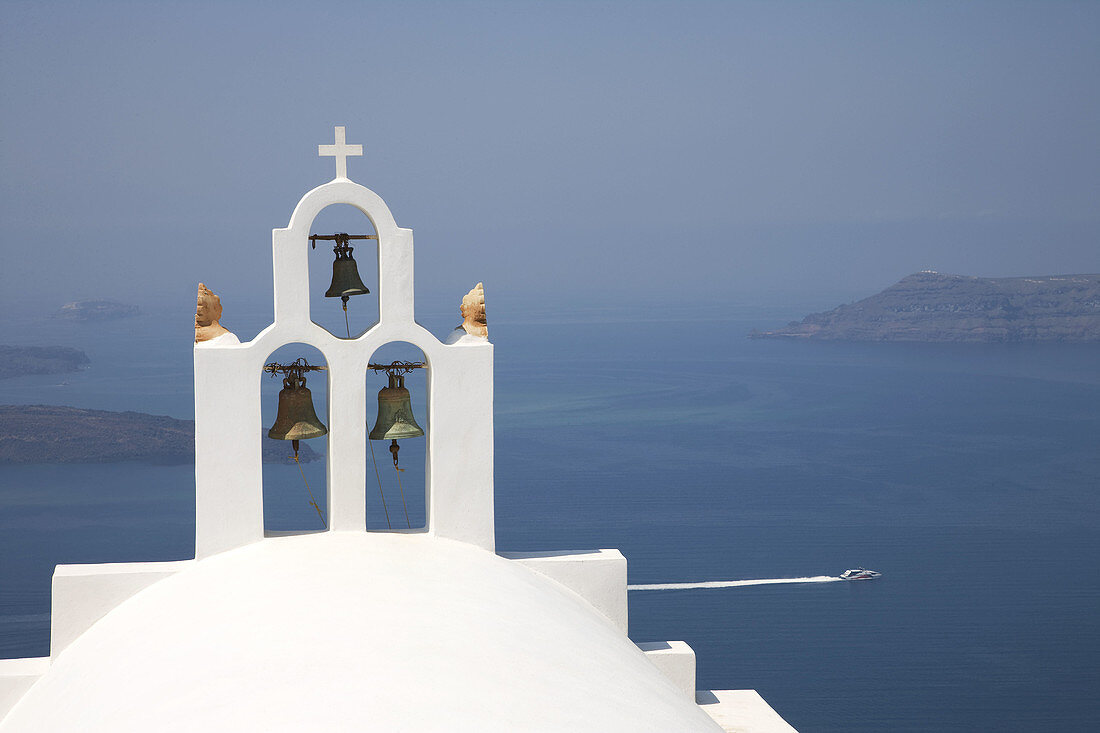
{"type": "Point", "coordinates": [345, 299]}
{"type": "Point", "coordinates": [394, 447]}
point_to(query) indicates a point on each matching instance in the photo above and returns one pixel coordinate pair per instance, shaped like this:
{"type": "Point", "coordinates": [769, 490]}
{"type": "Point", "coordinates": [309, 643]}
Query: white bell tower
{"type": "Point", "coordinates": [459, 471]}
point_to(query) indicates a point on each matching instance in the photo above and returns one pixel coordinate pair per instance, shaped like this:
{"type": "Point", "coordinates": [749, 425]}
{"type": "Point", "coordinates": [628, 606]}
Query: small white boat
{"type": "Point", "coordinates": [859, 574]}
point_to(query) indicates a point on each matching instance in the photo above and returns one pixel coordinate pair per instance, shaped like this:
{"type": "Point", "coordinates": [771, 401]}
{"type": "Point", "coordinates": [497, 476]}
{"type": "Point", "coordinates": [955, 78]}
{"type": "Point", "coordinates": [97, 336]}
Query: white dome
{"type": "Point", "coordinates": [354, 631]}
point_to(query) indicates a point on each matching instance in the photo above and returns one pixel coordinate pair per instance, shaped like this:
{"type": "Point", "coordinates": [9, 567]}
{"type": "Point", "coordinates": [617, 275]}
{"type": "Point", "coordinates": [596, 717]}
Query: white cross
{"type": "Point", "coordinates": [340, 151]}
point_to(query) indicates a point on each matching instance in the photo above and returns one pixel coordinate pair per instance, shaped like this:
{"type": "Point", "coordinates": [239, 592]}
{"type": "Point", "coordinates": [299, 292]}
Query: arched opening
{"type": "Point", "coordinates": [326, 277]}
{"type": "Point", "coordinates": [397, 495]}
{"type": "Point", "coordinates": [295, 492]}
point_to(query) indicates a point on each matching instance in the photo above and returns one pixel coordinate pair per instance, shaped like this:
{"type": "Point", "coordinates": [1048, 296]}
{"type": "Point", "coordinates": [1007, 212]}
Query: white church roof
{"type": "Point", "coordinates": [355, 631]}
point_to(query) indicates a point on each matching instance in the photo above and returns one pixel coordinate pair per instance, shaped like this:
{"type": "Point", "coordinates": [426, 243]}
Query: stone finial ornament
{"type": "Point", "coordinates": [473, 312]}
{"type": "Point", "coordinates": [208, 311]}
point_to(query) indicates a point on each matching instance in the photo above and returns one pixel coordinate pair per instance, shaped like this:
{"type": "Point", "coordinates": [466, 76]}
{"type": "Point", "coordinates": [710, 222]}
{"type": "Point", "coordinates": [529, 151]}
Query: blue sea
{"type": "Point", "coordinates": [968, 475]}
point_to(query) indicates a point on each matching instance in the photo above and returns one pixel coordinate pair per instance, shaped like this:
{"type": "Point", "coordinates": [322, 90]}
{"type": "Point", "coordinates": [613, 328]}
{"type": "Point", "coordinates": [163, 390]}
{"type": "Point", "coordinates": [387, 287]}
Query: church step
{"type": "Point", "coordinates": [597, 576]}
{"type": "Point", "coordinates": [16, 677]}
{"type": "Point", "coordinates": [676, 659]}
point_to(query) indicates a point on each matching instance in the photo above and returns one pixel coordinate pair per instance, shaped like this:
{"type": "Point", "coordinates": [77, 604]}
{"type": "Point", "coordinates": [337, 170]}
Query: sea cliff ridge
{"type": "Point", "coordinates": [934, 307]}
{"type": "Point", "coordinates": [57, 434]}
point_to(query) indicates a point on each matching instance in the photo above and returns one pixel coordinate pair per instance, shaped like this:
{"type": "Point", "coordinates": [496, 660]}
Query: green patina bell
{"type": "Point", "coordinates": [395, 416]}
{"type": "Point", "coordinates": [296, 419]}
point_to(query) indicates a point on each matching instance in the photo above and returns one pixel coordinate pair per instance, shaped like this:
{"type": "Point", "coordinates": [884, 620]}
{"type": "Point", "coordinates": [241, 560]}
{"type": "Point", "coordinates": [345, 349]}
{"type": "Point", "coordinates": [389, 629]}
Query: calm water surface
{"type": "Point", "coordinates": [968, 475]}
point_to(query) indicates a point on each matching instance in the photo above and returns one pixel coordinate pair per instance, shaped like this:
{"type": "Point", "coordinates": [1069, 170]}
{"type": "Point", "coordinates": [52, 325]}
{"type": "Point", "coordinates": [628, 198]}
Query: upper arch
{"type": "Point", "coordinates": [343, 192]}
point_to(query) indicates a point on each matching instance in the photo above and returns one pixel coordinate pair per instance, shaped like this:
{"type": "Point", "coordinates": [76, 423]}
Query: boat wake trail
{"type": "Point", "coordinates": [733, 583]}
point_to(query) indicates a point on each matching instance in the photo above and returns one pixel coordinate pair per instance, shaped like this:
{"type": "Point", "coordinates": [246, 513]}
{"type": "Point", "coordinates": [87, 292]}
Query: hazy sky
{"type": "Point", "coordinates": [588, 152]}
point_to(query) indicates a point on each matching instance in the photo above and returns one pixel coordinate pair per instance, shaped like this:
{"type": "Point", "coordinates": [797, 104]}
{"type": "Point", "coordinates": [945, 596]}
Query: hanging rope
{"type": "Point", "coordinates": [398, 472]}
{"type": "Point", "coordinates": [379, 479]}
{"type": "Point", "coordinates": [312, 500]}
{"type": "Point", "coordinates": [348, 327]}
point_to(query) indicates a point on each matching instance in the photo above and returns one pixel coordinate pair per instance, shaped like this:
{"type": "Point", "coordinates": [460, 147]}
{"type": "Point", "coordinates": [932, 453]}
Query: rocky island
{"type": "Point", "coordinates": [85, 311]}
{"type": "Point", "coordinates": [21, 360]}
{"type": "Point", "coordinates": [934, 307]}
{"type": "Point", "coordinates": [53, 434]}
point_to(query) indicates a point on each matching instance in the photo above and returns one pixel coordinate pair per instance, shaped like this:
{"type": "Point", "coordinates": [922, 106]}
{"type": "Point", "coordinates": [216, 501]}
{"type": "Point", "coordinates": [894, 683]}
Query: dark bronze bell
{"type": "Point", "coordinates": [345, 276]}
{"type": "Point", "coordinates": [296, 419]}
{"type": "Point", "coordinates": [395, 417]}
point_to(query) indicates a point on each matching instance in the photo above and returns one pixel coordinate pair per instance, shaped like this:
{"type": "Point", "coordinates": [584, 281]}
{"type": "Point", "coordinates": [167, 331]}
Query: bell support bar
{"type": "Point", "coordinates": [300, 365]}
{"type": "Point", "coordinates": [295, 367]}
{"type": "Point", "coordinates": [340, 239]}
{"type": "Point", "coordinates": [397, 367]}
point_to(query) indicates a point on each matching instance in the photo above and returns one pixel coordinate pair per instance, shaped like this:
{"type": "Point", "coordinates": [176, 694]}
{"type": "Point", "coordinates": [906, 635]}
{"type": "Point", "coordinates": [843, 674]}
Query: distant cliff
{"type": "Point", "coordinates": [21, 360]}
{"type": "Point", "coordinates": [49, 434]}
{"type": "Point", "coordinates": [95, 310]}
{"type": "Point", "coordinates": [930, 306]}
